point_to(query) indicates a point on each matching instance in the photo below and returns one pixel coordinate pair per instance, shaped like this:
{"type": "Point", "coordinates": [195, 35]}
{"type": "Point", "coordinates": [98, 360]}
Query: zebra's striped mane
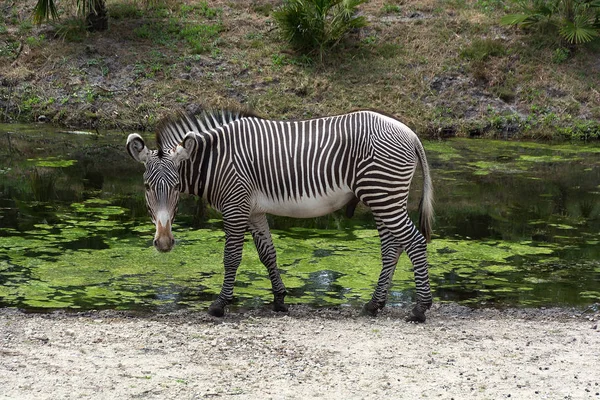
{"type": "Point", "coordinates": [173, 128]}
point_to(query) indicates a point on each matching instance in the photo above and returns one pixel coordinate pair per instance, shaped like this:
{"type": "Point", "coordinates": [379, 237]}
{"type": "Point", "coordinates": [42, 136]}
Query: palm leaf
{"type": "Point", "coordinates": [85, 7]}
{"type": "Point", "coordinates": [44, 10]}
{"type": "Point", "coordinates": [312, 26]}
{"type": "Point", "coordinates": [520, 19]}
{"type": "Point", "coordinates": [578, 33]}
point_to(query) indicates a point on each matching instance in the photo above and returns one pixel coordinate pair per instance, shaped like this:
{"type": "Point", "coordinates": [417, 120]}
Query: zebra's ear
{"type": "Point", "coordinates": [186, 148]}
{"type": "Point", "coordinates": [137, 148]}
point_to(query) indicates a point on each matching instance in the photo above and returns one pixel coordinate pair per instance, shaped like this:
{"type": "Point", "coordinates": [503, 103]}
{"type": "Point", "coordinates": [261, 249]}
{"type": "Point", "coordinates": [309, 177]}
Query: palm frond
{"type": "Point", "coordinates": [578, 32]}
{"type": "Point", "coordinates": [519, 19]}
{"type": "Point", "coordinates": [44, 10]}
{"type": "Point", "coordinates": [577, 21]}
{"type": "Point", "coordinates": [312, 26]}
{"type": "Point", "coordinates": [85, 7]}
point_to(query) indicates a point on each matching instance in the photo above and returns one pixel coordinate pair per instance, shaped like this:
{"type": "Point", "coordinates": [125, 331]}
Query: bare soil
{"type": "Point", "coordinates": [328, 353]}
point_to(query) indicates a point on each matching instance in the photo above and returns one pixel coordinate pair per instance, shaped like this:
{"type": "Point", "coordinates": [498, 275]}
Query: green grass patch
{"type": "Point", "coordinates": [124, 10]}
{"type": "Point", "coordinates": [200, 37]}
{"type": "Point", "coordinates": [389, 8]}
{"type": "Point", "coordinates": [483, 49]}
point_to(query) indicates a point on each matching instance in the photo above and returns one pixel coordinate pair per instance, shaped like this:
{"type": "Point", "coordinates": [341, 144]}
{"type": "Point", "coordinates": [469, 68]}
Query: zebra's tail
{"type": "Point", "coordinates": [426, 204]}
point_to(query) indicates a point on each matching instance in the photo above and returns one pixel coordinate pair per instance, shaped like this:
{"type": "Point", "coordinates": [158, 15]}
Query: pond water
{"type": "Point", "coordinates": [517, 224]}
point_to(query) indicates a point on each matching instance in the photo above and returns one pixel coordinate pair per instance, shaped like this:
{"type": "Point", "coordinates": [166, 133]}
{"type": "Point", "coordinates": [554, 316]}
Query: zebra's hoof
{"type": "Point", "coordinates": [216, 311]}
{"type": "Point", "coordinates": [416, 316]}
{"type": "Point", "coordinates": [371, 309]}
{"type": "Point", "coordinates": [217, 308]}
{"type": "Point", "coordinates": [279, 303]}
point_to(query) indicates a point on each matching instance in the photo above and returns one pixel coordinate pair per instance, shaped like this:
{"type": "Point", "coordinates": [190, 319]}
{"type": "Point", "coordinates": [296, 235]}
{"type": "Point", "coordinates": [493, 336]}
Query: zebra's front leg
{"type": "Point", "coordinates": [234, 244]}
{"type": "Point", "coordinates": [259, 228]}
{"type": "Point", "coordinates": [390, 252]}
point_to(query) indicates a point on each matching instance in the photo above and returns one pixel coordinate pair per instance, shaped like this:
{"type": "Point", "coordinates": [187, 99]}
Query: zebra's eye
{"type": "Point", "coordinates": [147, 187]}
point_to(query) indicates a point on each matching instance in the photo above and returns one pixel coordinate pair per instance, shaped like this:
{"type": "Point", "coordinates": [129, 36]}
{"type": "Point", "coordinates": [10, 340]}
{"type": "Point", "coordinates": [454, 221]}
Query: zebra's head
{"type": "Point", "coordinates": [162, 183]}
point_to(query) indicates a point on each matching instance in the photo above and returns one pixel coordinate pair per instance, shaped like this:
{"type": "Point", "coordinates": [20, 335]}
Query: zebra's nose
{"type": "Point", "coordinates": [164, 244]}
{"type": "Point", "coordinates": [163, 240]}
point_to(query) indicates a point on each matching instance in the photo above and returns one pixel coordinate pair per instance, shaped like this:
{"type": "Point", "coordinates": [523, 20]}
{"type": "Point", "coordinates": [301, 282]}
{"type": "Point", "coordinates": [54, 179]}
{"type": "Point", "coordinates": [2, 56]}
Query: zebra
{"type": "Point", "coordinates": [246, 167]}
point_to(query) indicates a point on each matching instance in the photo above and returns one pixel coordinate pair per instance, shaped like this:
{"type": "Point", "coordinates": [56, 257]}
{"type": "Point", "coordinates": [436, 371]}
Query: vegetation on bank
{"type": "Point", "coordinates": [576, 21]}
{"type": "Point", "coordinates": [445, 68]}
{"type": "Point", "coordinates": [316, 26]}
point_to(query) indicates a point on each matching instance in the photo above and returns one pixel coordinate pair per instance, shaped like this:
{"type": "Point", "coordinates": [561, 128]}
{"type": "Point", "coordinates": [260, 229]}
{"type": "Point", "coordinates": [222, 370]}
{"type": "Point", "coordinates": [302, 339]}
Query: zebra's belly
{"type": "Point", "coordinates": [304, 207]}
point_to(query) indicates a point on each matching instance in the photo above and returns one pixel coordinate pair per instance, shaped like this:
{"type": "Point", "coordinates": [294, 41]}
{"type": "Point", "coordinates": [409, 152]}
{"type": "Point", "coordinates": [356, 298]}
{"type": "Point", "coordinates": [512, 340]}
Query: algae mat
{"type": "Point", "coordinates": [516, 224]}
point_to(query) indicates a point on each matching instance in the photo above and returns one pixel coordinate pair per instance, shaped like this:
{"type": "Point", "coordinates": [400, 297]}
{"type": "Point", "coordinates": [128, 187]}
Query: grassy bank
{"type": "Point", "coordinates": [446, 68]}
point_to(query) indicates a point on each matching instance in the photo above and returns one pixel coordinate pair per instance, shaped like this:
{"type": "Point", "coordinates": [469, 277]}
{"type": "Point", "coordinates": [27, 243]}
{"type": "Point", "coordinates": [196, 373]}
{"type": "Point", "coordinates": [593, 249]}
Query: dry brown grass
{"type": "Point", "coordinates": [407, 63]}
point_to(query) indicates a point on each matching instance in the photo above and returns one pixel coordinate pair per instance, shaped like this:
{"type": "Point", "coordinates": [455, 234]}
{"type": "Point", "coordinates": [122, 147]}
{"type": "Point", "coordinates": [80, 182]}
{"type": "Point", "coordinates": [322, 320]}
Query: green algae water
{"type": "Point", "coordinates": [517, 224]}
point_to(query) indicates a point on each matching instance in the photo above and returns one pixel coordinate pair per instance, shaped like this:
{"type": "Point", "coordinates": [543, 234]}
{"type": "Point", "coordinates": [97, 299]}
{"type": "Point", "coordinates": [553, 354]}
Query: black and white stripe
{"type": "Point", "coordinates": [246, 166]}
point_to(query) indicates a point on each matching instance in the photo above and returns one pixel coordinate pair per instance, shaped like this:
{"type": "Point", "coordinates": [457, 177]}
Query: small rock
{"type": "Point", "coordinates": [41, 338]}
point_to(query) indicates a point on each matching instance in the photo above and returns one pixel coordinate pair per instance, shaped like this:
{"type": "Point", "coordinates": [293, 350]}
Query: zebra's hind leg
{"type": "Point", "coordinates": [259, 228]}
{"type": "Point", "coordinates": [390, 252]}
{"type": "Point", "coordinates": [417, 252]}
{"type": "Point", "coordinates": [405, 232]}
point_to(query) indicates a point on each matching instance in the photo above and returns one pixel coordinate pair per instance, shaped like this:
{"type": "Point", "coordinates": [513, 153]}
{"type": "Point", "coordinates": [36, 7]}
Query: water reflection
{"type": "Point", "coordinates": [517, 224]}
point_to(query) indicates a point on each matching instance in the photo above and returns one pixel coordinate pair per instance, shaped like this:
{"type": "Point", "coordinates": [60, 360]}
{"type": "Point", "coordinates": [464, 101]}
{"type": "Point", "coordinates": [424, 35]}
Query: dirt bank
{"type": "Point", "coordinates": [332, 353]}
{"type": "Point", "coordinates": [444, 68]}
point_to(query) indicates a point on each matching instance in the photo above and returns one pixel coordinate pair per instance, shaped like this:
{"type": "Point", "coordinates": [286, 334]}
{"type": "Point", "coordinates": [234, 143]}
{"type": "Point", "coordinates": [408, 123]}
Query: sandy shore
{"type": "Point", "coordinates": [330, 354]}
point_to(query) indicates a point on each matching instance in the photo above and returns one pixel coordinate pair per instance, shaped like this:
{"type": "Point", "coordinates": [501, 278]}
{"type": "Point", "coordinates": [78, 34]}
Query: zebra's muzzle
{"type": "Point", "coordinates": [163, 240]}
